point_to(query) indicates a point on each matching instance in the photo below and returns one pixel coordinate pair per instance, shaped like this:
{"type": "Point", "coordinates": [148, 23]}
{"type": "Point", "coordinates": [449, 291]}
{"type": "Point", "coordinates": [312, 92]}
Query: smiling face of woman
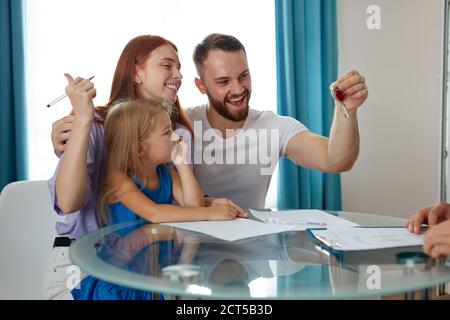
{"type": "Point", "coordinates": [159, 78]}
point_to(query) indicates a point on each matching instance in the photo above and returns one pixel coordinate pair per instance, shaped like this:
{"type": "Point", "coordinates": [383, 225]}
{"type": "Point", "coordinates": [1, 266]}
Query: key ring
{"type": "Point", "coordinates": [339, 97]}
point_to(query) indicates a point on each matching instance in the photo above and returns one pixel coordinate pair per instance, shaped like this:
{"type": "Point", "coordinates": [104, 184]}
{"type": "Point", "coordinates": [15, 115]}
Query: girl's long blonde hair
{"type": "Point", "coordinates": [127, 124]}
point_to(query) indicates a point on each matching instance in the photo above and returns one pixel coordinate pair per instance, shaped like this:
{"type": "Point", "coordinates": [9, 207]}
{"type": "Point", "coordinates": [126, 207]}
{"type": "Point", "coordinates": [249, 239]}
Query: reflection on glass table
{"type": "Point", "coordinates": [287, 265]}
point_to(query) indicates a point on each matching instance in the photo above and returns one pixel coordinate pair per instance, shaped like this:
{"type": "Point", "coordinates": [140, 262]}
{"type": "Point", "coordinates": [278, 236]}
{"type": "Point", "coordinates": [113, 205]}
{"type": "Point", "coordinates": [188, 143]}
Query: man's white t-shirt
{"type": "Point", "coordinates": [240, 168]}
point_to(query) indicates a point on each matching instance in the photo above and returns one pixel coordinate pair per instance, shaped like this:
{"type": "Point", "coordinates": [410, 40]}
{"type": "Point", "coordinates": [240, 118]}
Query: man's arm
{"type": "Point", "coordinates": [335, 154]}
{"type": "Point", "coordinates": [339, 152]}
{"type": "Point", "coordinates": [61, 131]}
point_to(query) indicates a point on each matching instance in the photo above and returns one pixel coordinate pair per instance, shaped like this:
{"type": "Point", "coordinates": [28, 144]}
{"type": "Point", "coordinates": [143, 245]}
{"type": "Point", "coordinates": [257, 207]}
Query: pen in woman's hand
{"type": "Point", "coordinates": [62, 96]}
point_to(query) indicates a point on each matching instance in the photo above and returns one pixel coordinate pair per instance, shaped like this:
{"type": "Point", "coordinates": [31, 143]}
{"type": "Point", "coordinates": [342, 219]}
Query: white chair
{"type": "Point", "coordinates": [27, 230]}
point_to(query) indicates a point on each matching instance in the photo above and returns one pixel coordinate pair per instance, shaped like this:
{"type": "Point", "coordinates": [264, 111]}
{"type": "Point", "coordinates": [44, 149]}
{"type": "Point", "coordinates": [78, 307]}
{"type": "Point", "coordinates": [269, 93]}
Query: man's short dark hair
{"type": "Point", "coordinates": [214, 41]}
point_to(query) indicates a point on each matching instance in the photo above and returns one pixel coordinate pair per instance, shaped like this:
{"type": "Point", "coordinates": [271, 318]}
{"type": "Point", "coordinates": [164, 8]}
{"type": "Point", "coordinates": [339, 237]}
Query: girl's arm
{"type": "Point", "coordinates": [130, 196]}
{"type": "Point", "coordinates": [186, 190]}
{"type": "Point", "coordinates": [71, 181]}
{"type": "Point", "coordinates": [185, 187]}
{"type": "Point", "coordinates": [212, 202]}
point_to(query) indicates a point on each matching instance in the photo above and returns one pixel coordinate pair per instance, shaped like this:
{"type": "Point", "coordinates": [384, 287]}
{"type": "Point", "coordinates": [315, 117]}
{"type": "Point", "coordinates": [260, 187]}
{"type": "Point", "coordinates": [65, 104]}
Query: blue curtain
{"type": "Point", "coordinates": [13, 136]}
{"type": "Point", "coordinates": [306, 40]}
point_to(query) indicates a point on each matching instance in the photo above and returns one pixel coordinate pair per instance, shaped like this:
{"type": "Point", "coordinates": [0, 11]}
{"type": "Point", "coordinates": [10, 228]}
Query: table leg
{"type": "Point", "coordinates": [410, 295]}
{"type": "Point", "coordinates": [425, 294]}
{"type": "Point", "coordinates": [441, 290]}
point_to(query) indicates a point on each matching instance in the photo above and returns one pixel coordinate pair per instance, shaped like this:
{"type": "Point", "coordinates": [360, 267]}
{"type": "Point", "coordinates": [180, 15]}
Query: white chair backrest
{"type": "Point", "coordinates": [27, 230]}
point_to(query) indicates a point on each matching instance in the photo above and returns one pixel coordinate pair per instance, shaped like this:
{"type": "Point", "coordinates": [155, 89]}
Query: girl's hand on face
{"type": "Point", "coordinates": [81, 92]}
{"type": "Point", "coordinates": [179, 151]}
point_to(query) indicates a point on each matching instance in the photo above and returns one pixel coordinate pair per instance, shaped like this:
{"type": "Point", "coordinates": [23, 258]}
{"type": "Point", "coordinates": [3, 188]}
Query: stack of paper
{"type": "Point", "coordinates": [356, 239]}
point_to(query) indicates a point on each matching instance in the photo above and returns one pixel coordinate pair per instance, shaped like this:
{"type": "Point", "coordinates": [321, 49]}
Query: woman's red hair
{"type": "Point", "coordinates": [123, 87]}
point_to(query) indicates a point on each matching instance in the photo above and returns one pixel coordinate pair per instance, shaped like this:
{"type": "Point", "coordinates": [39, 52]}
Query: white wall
{"type": "Point", "coordinates": [398, 170]}
{"type": "Point", "coordinates": [93, 48]}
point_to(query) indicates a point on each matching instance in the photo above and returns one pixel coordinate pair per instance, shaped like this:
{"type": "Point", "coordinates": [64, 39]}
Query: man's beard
{"type": "Point", "coordinates": [222, 109]}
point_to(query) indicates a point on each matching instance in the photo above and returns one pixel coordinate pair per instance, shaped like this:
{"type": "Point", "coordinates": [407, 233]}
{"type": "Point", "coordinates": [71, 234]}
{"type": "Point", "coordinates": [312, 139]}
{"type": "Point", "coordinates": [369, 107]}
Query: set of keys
{"type": "Point", "coordinates": [340, 96]}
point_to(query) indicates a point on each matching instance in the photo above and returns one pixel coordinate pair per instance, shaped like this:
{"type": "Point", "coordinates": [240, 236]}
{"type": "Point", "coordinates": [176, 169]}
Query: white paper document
{"type": "Point", "coordinates": [356, 239]}
{"type": "Point", "coordinates": [232, 230]}
{"type": "Point", "coordinates": [302, 219]}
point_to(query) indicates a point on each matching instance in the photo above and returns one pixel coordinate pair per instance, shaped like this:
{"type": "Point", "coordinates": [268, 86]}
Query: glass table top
{"type": "Point", "coordinates": [287, 265]}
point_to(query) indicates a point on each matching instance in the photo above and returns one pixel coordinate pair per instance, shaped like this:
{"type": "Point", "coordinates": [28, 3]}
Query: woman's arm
{"type": "Point", "coordinates": [71, 181]}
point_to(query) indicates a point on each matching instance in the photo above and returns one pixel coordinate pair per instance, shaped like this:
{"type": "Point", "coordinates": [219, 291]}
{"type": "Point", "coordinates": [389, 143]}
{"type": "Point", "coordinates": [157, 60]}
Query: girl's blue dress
{"type": "Point", "coordinates": [92, 288]}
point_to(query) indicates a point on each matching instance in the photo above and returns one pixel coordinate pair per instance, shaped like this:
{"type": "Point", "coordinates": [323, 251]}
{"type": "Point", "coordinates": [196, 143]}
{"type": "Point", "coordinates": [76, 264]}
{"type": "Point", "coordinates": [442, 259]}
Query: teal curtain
{"type": "Point", "coordinates": [13, 135]}
{"type": "Point", "coordinates": [306, 41]}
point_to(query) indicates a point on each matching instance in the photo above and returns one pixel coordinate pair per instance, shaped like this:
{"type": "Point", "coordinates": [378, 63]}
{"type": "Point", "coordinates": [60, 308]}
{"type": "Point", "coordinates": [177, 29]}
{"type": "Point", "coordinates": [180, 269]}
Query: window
{"type": "Point", "coordinates": [85, 38]}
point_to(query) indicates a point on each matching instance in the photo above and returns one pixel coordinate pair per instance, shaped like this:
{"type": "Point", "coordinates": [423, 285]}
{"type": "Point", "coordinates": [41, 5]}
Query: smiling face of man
{"type": "Point", "coordinates": [227, 82]}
